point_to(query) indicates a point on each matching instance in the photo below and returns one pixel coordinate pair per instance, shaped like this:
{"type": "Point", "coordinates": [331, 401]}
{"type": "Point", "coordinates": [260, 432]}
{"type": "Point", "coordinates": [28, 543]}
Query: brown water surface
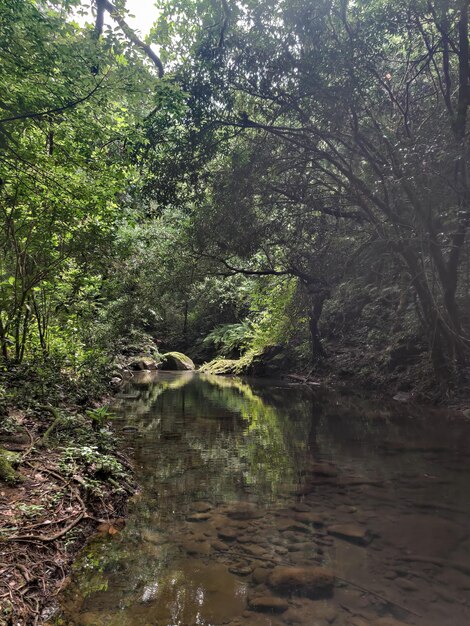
{"type": "Point", "coordinates": [243, 478]}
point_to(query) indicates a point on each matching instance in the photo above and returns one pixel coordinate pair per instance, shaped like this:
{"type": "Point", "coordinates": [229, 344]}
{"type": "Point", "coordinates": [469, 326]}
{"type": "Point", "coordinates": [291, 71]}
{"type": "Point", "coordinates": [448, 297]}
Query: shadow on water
{"type": "Point", "coordinates": [240, 478]}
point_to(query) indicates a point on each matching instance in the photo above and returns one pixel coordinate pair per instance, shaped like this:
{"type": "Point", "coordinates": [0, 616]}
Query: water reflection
{"type": "Point", "coordinates": [242, 478]}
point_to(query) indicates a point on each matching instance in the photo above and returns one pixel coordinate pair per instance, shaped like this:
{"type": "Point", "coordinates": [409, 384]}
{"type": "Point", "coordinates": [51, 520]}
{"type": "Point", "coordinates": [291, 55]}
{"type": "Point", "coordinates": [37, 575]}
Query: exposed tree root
{"type": "Point", "coordinates": [43, 442]}
{"type": "Point", "coordinates": [34, 563]}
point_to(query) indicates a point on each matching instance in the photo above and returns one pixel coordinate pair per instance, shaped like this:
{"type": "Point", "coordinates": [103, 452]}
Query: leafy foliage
{"type": "Point", "coordinates": [229, 338]}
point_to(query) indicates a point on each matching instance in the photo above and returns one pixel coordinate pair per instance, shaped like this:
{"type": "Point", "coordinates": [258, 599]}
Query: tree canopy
{"type": "Point", "coordinates": [297, 171]}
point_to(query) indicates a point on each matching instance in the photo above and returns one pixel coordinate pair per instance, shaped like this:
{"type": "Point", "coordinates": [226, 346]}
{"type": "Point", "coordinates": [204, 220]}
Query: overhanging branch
{"type": "Point", "coordinates": [64, 107]}
{"type": "Point", "coordinates": [102, 5]}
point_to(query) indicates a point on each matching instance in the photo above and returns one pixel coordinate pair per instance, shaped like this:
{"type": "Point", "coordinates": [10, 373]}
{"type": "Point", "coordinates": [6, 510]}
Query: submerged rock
{"type": "Point", "coordinates": [355, 620]}
{"type": "Point", "coordinates": [269, 604]}
{"type": "Point", "coordinates": [220, 546]}
{"type": "Point", "coordinates": [406, 584]}
{"type": "Point", "coordinates": [301, 507]}
{"type": "Point", "coordinates": [197, 548]}
{"type": "Point", "coordinates": [198, 517]}
{"type": "Point", "coordinates": [240, 569]}
{"type": "Point", "coordinates": [313, 582]}
{"type": "Point", "coordinates": [423, 535]}
{"type": "Point", "coordinates": [293, 525]}
{"type": "Point", "coordinates": [242, 511]}
{"type": "Point", "coordinates": [176, 361]}
{"type": "Point", "coordinates": [351, 532]}
{"type": "Point", "coordinates": [202, 507]}
{"type": "Point", "coordinates": [260, 574]}
{"type": "Point", "coordinates": [254, 550]}
{"type": "Point", "coordinates": [227, 534]}
{"type": "Point", "coordinates": [310, 518]}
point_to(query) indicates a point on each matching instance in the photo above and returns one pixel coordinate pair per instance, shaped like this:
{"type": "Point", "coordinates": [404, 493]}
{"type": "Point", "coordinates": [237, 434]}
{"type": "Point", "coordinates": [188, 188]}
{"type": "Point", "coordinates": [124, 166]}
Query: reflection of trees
{"type": "Point", "coordinates": [238, 434]}
{"type": "Point", "coordinates": [241, 434]}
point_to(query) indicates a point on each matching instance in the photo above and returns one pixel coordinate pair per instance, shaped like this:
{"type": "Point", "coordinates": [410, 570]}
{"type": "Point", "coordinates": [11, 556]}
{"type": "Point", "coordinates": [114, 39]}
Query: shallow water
{"type": "Point", "coordinates": [240, 478]}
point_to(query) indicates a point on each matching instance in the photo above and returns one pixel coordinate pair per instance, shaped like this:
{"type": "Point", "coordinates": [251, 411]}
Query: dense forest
{"type": "Point", "coordinates": [268, 186]}
{"type": "Point", "coordinates": [283, 175]}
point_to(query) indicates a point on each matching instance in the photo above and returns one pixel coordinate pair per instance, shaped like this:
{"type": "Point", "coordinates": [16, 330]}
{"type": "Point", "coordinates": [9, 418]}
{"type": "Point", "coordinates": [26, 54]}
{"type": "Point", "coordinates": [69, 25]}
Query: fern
{"type": "Point", "coordinates": [228, 338]}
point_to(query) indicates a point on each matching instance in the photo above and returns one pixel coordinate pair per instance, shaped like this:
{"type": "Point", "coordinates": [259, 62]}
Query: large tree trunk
{"type": "Point", "coordinates": [440, 338]}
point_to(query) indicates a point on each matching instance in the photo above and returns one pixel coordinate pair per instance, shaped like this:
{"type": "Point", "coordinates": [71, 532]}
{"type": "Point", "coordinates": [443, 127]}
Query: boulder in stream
{"type": "Point", "coordinates": [176, 361]}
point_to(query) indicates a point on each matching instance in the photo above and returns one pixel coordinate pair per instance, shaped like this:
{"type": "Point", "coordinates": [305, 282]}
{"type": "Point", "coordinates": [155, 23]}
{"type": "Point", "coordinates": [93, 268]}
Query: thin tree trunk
{"type": "Point", "coordinates": [3, 342]}
{"type": "Point", "coordinates": [317, 299]}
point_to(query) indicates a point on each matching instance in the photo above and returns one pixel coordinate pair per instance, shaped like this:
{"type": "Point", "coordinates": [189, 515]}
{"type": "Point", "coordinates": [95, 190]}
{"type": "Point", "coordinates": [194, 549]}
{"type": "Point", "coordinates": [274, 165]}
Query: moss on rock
{"type": "Point", "coordinates": [222, 367]}
{"type": "Point", "coordinates": [176, 361]}
{"type": "Point", "coordinates": [7, 462]}
{"type": "Point", "coordinates": [268, 361]}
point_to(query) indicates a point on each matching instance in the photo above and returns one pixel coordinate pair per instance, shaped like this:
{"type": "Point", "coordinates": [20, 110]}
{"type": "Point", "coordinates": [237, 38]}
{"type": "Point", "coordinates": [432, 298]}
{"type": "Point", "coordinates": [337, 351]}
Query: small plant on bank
{"type": "Point", "coordinates": [8, 425]}
{"type": "Point", "coordinates": [100, 416]}
{"type": "Point", "coordinates": [30, 510]}
{"type": "Point", "coordinates": [92, 464]}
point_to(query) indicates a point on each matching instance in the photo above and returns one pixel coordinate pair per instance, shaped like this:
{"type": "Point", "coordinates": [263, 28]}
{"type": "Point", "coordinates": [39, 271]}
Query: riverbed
{"type": "Point", "coordinates": [263, 503]}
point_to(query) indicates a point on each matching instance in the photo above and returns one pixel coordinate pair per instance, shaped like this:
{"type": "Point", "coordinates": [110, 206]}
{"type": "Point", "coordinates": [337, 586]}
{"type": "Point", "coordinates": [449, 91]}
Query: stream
{"type": "Point", "coordinates": [244, 480]}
